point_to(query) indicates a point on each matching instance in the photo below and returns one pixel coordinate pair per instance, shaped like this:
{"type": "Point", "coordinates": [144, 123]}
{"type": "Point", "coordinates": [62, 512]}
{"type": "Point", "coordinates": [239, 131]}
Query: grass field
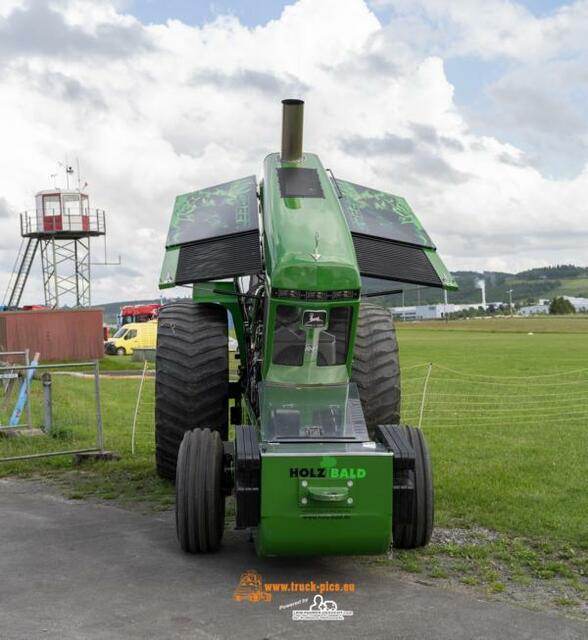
{"type": "Point", "coordinates": [516, 324]}
{"type": "Point", "coordinates": [522, 469]}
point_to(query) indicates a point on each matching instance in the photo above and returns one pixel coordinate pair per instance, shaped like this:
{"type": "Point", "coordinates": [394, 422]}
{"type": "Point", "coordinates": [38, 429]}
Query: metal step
{"type": "Point", "coordinates": [22, 268]}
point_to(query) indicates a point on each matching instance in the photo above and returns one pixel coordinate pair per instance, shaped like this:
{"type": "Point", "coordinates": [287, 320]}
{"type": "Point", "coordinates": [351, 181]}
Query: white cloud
{"type": "Point", "coordinates": [8, 6]}
{"type": "Point", "coordinates": [180, 108]}
{"type": "Point", "coordinates": [490, 28]}
{"type": "Point", "coordinates": [539, 102]}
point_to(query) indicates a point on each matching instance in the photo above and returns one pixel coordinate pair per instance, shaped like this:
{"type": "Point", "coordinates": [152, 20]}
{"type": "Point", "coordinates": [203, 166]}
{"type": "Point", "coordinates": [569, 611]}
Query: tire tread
{"type": "Point", "coordinates": [376, 369]}
{"type": "Point", "coordinates": [192, 377]}
{"type": "Point", "coordinates": [418, 532]}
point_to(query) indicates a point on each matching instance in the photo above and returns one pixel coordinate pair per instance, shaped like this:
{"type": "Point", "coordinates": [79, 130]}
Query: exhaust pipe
{"type": "Point", "coordinates": [292, 125]}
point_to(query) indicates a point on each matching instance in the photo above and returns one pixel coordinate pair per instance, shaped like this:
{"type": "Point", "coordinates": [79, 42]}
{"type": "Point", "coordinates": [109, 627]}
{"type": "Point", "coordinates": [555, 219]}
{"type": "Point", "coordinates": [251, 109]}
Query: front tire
{"type": "Point", "coordinates": [416, 530]}
{"type": "Point", "coordinates": [200, 500]}
{"type": "Point", "coordinates": [192, 377]}
{"type": "Point", "coordinates": [376, 369]}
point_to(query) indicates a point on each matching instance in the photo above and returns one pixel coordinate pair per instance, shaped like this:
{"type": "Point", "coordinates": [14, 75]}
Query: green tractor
{"type": "Point", "coordinates": [307, 436]}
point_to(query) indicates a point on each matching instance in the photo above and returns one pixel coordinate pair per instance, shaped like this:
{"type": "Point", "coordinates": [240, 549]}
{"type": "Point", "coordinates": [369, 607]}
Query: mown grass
{"type": "Point", "coordinates": [522, 477]}
{"type": "Point", "coordinates": [122, 363]}
{"type": "Point", "coordinates": [577, 323]}
{"type": "Point", "coordinates": [526, 473]}
{"type": "Point", "coordinates": [132, 478]}
{"type": "Point", "coordinates": [116, 363]}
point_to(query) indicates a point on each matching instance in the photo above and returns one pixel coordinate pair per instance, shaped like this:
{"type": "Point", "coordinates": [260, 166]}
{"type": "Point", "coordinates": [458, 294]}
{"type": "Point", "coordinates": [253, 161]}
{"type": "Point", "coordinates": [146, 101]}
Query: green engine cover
{"type": "Point", "coordinates": [307, 240]}
{"type": "Point", "coordinates": [330, 500]}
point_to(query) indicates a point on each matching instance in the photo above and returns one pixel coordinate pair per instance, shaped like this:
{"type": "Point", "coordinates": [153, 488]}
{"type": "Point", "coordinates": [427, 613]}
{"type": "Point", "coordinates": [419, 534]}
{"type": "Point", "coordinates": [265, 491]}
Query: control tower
{"type": "Point", "coordinates": [61, 226]}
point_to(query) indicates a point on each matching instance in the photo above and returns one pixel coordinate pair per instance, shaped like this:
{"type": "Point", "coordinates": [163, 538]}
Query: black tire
{"type": "Point", "coordinates": [376, 369]}
{"type": "Point", "coordinates": [192, 377]}
{"type": "Point", "coordinates": [200, 501]}
{"type": "Point", "coordinates": [419, 528]}
{"type": "Point", "coordinates": [121, 351]}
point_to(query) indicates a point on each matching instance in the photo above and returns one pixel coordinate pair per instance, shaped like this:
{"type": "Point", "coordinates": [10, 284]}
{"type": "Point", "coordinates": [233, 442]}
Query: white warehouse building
{"type": "Point", "coordinates": [580, 304]}
{"type": "Point", "coordinates": [429, 311]}
{"type": "Point", "coordinates": [533, 310]}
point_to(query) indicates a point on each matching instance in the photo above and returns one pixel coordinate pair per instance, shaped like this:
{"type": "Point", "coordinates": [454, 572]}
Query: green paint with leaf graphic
{"type": "Point", "coordinates": [383, 215]}
{"type": "Point", "coordinates": [217, 211]}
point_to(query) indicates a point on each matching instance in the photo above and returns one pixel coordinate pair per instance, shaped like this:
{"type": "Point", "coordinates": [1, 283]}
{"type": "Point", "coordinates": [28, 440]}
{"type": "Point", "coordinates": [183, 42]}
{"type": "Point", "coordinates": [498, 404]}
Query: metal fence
{"type": "Point", "coordinates": [71, 220]}
{"type": "Point", "coordinates": [50, 410]}
{"type": "Point", "coordinates": [15, 407]}
{"type": "Point", "coordinates": [438, 397]}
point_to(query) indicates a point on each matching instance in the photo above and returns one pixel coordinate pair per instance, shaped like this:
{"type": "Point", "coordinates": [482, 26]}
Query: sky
{"type": "Point", "coordinates": [474, 110]}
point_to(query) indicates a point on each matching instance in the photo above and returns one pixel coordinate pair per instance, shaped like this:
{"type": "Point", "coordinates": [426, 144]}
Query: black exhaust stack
{"type": "Point", "coordinates": [292, 125]}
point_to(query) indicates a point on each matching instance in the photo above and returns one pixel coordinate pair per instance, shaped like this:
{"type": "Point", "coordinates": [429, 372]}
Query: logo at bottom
{"type": "Point", "coordinates": [320, 609]}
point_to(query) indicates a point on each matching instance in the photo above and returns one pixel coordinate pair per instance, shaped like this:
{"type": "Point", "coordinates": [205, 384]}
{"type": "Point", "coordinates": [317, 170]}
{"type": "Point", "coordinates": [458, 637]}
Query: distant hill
{"type": "Point", "coordinates": [527, 286]}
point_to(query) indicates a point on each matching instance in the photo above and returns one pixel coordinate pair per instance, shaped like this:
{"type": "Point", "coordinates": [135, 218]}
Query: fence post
{"type": "Point", "coordinates": [425, 394]}
{"type": "Point", "coordinates": [47, 402]}
{"type": "Point", "coordinates": [99, 432]}
{"type": "Point", "coordinates": [137, 409]}
{"type": "Point", "coordinates": [28, 362]}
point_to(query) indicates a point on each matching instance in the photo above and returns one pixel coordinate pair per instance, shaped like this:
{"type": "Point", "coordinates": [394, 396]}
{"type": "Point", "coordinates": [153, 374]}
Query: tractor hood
{"type": "Point", "coordinates": [307, 241]}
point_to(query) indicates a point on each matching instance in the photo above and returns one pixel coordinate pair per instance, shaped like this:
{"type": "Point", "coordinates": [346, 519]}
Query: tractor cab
{"type": "Point", "coordinates": [310, 342]}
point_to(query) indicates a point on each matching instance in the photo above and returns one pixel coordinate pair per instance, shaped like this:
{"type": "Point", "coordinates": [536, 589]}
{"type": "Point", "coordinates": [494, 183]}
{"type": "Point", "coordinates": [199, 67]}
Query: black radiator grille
{"type": "Point", "coordinates": [224, 257]}
{"type": "Point", "coordinates": [378, 258]}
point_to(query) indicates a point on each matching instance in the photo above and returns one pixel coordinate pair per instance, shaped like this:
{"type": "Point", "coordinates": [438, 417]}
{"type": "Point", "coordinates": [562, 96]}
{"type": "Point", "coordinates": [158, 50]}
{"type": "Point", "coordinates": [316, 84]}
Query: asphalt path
{"type": "Point", "coordinates": [82, 570]}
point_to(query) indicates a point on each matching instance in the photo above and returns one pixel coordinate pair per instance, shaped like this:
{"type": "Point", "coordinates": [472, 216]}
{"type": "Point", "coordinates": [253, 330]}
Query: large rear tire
{"type": "Point", "coordinates": [192, 377]}
{"type": "Point", "coordinates": [416, 530]}
{"type": "Point", "coordinates": [200, 500]}
{"type": "Point", "coordinates": [376, 369]}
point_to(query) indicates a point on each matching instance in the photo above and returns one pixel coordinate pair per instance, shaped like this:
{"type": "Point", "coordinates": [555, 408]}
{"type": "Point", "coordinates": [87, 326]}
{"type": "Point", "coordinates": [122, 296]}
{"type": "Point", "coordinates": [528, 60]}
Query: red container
{"type": "Point", "coordinates": [58, 335]}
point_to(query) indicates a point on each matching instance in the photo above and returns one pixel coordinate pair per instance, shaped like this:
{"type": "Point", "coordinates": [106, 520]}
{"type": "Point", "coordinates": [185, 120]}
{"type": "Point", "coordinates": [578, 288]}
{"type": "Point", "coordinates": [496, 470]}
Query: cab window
{"type": "Point", "coordinates": [289, 337]}
{"type": "Point", "coordinates": [71, 204]}
{"type": "Point", "coordinates": [334, 341]}
{"type": "Point", "coordinates": [132, 333]}
{"type": "Point", "coordinates": [324, 334]}
{"type": "Point", "coordinates": [51, 205]}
